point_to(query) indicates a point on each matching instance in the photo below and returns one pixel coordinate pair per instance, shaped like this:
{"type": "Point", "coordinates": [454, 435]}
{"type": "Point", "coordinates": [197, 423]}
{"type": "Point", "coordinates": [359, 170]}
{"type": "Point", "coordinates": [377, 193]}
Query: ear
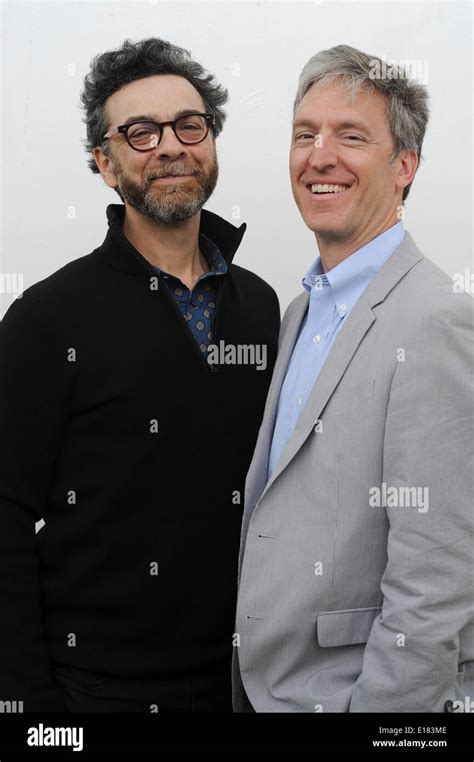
{"type": "Point", "coordinates": [407, 161]}
{"type": "Point", "coordinates": [104, 165]}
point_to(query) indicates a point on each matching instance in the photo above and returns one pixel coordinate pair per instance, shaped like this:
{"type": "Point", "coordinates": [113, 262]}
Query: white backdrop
{"type": "Point", "coordinates": [52, 206]}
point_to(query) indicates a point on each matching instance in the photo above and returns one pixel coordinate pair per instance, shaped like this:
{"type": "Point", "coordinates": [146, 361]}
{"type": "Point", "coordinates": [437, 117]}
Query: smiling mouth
{"type": "Point", "coordinates": [327, 189]}
{"type": "Point", "coordinates": [172, 177]}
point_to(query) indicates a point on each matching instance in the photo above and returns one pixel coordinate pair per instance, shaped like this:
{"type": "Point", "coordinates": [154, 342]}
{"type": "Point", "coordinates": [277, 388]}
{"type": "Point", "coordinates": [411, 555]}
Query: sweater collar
{"type": "Point", "coordinates": [123, 256]}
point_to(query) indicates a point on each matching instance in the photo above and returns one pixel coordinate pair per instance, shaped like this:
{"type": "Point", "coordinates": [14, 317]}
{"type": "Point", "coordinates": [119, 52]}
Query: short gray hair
{"type": "Point", "coordinates": [407, 100]}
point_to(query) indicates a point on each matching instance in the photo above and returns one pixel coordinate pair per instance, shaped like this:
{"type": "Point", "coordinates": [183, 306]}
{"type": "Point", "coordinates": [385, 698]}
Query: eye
{"type": "Point", "coordinates": [353, 137]}
{"type": "Point", "coordinates": [304, 137]}
{"type": "Point", "coordinates": [140, 130]}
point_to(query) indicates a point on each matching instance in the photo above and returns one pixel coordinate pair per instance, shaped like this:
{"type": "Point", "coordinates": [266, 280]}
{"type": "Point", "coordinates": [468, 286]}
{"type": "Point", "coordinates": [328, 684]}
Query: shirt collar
{"type": "Point", "coordinates": [116, 250]}
{"type": "Point", "coordinates": [212, 254]}
{"type": "Point", "coordinates": [215, 260]}
{"type": "Point", "coordinates": [349, 279]}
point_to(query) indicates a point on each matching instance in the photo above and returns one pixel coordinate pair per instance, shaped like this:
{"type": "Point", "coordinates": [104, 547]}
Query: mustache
{"type": "Point", "coordinates": [173, 170]}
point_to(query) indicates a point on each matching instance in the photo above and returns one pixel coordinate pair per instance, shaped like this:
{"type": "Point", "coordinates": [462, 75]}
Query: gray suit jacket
{"type": "Point", "coordinates": [355, 596]}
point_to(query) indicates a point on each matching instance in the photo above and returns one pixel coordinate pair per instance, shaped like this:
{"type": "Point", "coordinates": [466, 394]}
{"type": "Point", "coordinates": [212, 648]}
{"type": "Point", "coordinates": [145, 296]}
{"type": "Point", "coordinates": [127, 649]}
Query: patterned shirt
{"type": "Point", "coordinates": [198, 306]}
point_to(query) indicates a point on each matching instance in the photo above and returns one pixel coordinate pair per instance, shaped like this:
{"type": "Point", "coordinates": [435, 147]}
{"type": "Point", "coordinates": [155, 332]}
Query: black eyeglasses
{"type": "Point", "coordinates": [146, 135]}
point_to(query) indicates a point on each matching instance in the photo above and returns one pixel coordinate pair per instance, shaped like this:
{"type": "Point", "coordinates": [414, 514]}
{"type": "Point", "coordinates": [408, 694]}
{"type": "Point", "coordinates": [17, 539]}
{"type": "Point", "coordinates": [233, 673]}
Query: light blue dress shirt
{"type": "Point", "coordinates": [332, 296]}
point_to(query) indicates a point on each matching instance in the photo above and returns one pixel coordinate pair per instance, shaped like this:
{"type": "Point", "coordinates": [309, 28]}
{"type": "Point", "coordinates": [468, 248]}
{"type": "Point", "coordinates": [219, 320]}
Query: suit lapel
{"type": "Point", "coordinates": [257, 475]}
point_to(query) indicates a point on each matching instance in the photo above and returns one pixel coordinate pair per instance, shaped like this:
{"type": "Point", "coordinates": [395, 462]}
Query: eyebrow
{"type": "Point", "coordinates": [152, 117]}
{"type": "Point", "coordinates": [347, 124]}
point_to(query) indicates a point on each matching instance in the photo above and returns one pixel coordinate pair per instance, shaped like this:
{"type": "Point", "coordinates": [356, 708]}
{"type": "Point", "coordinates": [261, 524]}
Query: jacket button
{"type": "Point", "coordinates": [448, 706]}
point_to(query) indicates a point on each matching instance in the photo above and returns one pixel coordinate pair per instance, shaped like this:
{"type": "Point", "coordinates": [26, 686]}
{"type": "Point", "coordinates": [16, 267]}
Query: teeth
{"type": "Point", "coordinates": [328, 188]}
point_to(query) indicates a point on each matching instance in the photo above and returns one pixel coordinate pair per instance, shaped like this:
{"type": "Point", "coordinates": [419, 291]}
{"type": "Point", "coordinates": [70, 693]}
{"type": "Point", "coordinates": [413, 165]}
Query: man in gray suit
{"type": "Point", "coordinates": [356, 558]}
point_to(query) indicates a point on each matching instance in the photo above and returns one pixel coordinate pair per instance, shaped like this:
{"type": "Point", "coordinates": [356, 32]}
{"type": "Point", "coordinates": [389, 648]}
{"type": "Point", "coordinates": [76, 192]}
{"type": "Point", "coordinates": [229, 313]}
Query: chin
{"type": "Point", "coordinates": [327, 230]}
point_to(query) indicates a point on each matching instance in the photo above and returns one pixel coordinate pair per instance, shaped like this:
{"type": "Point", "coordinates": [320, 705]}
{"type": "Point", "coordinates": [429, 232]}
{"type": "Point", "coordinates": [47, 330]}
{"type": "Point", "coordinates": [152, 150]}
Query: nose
{"type": "Point", "coordinates": [169, 145]}
{"type": "Point", "coordinates": [323, 153]}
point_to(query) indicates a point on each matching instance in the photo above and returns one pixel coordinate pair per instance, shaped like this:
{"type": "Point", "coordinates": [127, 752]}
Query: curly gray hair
{"type": "Point", "coordinates": [135, 60]}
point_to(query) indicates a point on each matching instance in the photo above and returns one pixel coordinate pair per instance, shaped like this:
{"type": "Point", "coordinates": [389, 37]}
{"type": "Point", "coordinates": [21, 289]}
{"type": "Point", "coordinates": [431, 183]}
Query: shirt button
{"type": "Point", "coordinates": [300, 400]}
{"type": "Point", "coordinates": [317, 339]}
{"type": "Point", "coordinates": [343, 307]}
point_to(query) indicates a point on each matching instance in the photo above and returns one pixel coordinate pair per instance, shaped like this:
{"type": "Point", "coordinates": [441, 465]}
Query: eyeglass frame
{"type": "Point", "coordinates": [123, 129]}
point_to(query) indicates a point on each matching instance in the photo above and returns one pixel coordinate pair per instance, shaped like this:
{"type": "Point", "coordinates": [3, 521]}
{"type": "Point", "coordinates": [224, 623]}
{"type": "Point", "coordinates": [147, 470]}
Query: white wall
{"type": "Point", "coordinates": [257, 50]}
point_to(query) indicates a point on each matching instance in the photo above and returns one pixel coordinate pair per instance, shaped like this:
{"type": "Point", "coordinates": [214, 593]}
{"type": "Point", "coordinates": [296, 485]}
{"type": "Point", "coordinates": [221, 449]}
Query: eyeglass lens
{"type": "Point", "coordinates": [190, 129]}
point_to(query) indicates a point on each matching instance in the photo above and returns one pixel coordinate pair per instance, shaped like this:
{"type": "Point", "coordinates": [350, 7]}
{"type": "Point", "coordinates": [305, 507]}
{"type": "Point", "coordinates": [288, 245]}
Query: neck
{"type": "Point", "coordinates": [333, 251]}
{"type": "Point", "coordinates": [172, 248]}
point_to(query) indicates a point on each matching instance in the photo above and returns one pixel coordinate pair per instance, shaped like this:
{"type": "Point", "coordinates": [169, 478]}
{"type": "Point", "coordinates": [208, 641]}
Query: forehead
{"type": "Point", "coordinates": [161, 95]}
{"type": "Point", "coordinates": [334, 104]}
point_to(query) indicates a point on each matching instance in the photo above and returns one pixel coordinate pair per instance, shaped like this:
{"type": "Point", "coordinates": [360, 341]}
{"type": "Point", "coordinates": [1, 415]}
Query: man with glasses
{"type": "Point", "coordinates": [118, 431]}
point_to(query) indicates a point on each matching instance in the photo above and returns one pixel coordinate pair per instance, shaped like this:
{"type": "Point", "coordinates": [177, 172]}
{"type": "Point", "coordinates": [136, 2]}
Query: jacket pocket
{"type": "Point", "coordinates": [346, 627]}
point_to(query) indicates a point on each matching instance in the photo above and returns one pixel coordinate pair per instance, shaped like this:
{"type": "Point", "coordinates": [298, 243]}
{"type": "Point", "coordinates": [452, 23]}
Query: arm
{"type": "Point", "coordinates": [411, 658]}
{"type": "Point", "coordinates": [33, 371]}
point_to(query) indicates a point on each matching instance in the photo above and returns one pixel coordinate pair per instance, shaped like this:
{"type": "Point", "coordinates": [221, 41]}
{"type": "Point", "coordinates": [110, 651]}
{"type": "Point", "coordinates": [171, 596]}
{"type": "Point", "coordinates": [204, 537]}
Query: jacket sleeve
{"type": "Point", "coordinates": [33, 381]}
{"type": "Point", "coordinates": [412, 654]}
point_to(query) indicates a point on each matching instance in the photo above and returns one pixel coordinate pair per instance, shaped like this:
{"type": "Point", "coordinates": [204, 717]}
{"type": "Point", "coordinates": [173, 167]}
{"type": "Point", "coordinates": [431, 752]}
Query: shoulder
{"type": "Point", "coordinates": [254, 284]}
{"type": "Point", "coordinates": [46, 300]}
{"type": "Point", "coordinates": [416, 294]}
{"type": "Point", "coordinates": [431, 297]}
{"type": "Point", "coordinates": [434, 323]}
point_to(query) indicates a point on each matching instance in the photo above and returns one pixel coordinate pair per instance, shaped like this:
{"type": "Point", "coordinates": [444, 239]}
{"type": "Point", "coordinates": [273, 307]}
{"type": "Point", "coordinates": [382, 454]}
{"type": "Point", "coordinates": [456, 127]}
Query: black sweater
{"type": "Point", "coordinates": [116, 431]}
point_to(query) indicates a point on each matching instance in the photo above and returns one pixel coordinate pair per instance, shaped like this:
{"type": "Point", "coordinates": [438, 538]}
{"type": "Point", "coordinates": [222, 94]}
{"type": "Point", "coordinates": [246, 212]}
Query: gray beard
{"type": "Point", "coordinates": [173, 205]}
